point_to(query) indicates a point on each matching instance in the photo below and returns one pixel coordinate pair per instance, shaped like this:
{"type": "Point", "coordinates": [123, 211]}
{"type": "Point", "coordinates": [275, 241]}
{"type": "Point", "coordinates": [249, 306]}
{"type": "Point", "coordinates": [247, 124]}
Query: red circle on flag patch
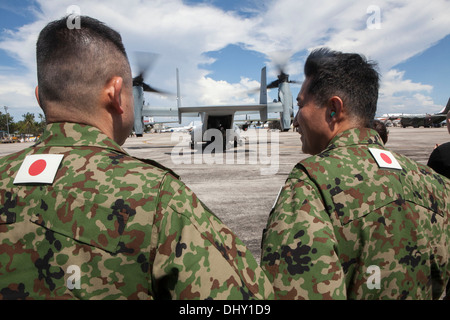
{"type": "Point", "coordinates": [386, 158]}
{"type": "Point", "coordinates": [37, 167]}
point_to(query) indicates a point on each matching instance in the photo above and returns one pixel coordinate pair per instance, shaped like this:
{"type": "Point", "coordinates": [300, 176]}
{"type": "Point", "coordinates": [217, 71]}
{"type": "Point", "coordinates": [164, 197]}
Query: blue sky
{"type": "Point", "coordinates": [220, 46]}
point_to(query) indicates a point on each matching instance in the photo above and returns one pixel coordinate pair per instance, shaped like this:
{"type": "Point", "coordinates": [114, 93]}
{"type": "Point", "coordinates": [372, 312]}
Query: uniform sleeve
{"type": "Point", "coordinates": [196, 256]}
{"type": "Point", "coordinates": [299, 246]}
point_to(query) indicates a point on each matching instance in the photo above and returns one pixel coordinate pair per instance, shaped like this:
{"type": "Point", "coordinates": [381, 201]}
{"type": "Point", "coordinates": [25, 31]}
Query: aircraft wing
{"type": "Point", "coordinates": [222, 110]}
{"type": "Point", "coordinates": [151, 111]}
{"type": "Point", "coordinates": [262, 109]}
{"type": "Point", "coordinates": [273, 107]}
{"type": "Point", "coordinates": [194, 111]}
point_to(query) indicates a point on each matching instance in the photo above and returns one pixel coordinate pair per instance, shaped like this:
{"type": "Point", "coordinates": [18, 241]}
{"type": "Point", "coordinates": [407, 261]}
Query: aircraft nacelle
{"type": "Point", "coordinates": [138, 95]}
{"type": "Point", "coordinates": [286, 100]}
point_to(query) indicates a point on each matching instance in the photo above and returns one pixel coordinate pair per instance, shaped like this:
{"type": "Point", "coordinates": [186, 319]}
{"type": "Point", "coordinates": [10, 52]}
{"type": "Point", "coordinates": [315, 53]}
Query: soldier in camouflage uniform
{"type": "Point", "coordinates": [109, 226]}
{"type": "Point", "coordinates": [354, 221]}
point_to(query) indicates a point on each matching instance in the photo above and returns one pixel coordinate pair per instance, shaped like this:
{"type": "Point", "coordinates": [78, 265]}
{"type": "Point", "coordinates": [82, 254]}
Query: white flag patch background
{"type": "Point", "coordinates": [38, 168]}
{"type": "Point", "coordinates": [385, 159]}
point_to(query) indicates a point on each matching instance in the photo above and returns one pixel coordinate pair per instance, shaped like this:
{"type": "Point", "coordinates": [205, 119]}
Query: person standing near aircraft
{"type": "Point", "coordinates": [354, 220]}
{"type": "Point", "coordinates": [82, 219]}
{"type": "Point", "coordinates": [380, 128]}
{"type": "Point", "coordinates": [439, 159]}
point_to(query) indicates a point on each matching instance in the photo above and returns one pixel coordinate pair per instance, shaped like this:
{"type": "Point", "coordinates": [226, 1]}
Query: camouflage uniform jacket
{"type": "Point", "coordinates": [129, 227]}
{"type": "Point", "coordinates": [343, 228]}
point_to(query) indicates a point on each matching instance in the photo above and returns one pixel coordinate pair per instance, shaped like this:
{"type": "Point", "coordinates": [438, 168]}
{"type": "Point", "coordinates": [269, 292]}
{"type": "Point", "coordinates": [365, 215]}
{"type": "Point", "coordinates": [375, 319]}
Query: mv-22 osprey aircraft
{"type": "Point", "coordinates": [218, 117]}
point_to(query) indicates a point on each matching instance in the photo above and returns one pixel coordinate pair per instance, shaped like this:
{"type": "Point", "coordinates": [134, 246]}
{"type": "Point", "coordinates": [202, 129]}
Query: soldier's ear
{"type": "Point", "coordinates": [113, 92]}
{"type": "Point", "coordinates": [336, 108]}
{"type": "Point", "coordinates": [36, 92]}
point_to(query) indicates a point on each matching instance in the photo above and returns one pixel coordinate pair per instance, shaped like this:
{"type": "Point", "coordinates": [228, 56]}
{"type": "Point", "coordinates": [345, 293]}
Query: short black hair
{"type": "Point", "coordinates": [72, 63]}
{"type": "Point", "coordinates": [348, 75]}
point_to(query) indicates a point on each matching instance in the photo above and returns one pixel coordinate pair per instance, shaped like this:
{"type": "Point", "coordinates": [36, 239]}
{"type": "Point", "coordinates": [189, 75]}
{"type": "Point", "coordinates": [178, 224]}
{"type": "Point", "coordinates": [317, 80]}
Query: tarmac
{"type": "Point", "coordinates": [241, 184]}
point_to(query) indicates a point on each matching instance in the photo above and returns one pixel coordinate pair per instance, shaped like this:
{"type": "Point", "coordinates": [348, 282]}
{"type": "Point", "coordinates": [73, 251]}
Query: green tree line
{"type": "Point", "coordinates": [29, 125]}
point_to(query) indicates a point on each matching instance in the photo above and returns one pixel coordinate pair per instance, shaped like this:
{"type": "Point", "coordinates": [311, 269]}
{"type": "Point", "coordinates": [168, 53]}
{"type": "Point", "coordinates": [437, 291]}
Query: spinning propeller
{"type": "Point", "coordinates": [144, 62]}
{"type": "Point", "coordinates": [281, 59]}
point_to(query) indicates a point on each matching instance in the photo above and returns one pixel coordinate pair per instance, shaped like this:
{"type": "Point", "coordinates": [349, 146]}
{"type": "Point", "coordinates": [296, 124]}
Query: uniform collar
{"type": "Point", "coordinates": [67, 134]}
{"type": "Point", "coordinates": [355, 136]}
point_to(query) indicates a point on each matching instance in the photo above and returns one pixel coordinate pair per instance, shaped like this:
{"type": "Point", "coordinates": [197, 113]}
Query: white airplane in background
{"type": "Point", "coordinates": [191, 126]}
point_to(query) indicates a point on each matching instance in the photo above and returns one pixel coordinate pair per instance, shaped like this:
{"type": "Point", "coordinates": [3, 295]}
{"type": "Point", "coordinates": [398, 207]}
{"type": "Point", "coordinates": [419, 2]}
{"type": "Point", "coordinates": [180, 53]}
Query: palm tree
{"type": "Point", "coordinates": [28, 123]}
{"type": "Point", "coordinates": [41, 124]}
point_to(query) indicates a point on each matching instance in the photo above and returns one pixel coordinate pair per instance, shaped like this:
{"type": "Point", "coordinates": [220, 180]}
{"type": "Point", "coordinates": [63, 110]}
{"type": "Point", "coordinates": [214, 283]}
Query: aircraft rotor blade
{"type": "Point", "coordinates": [273, 84]}
{"type": "Point", "coordinates": [148, 88]}
{"type": "Point", "coordinates": [144, 62]}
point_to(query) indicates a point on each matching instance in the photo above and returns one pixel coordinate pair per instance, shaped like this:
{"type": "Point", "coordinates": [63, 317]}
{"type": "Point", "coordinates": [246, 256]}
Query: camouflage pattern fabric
{"type": "Point", "coordinates": [133, 229]}
{"type": "Point", "coordinates": [340, 218]}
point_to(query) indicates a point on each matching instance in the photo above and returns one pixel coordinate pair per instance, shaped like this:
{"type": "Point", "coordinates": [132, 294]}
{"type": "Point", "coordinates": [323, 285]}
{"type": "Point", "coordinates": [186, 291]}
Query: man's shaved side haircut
{"type": "Point", "coordinates": [348, 75]}
{"type": "Point", "coordinates": [73, 65]}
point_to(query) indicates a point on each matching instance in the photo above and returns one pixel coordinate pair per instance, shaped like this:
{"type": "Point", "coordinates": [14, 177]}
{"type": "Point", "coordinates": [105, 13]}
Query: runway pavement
{"type": "Point", "coordinates": [241, 185]}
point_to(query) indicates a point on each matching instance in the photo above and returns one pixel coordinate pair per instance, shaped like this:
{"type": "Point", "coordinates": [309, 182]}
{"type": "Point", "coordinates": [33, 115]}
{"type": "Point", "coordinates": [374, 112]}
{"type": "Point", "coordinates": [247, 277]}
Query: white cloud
{"type": "Point", "coordinates": [15, 86]}
{"type": "Point", "coordinates": [407, 29]}
{"type": "Point", "coordinates": [401, 95]}
{"type": "Point", "coordinates": [17, 93]}
{"type": "Point", "coordinates": [393, 83]}
{"type": "Point", "coordinates": [222, 92]}
{"type": "Point", "coordinates": [182, 34]}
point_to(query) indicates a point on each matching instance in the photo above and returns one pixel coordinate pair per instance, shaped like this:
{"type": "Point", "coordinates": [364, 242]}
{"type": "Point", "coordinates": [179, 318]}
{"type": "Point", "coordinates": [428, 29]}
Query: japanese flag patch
{"type": "Point", "coordinates": [38, 168]}
{"type": "Point", "coordinates": [385, 159]}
